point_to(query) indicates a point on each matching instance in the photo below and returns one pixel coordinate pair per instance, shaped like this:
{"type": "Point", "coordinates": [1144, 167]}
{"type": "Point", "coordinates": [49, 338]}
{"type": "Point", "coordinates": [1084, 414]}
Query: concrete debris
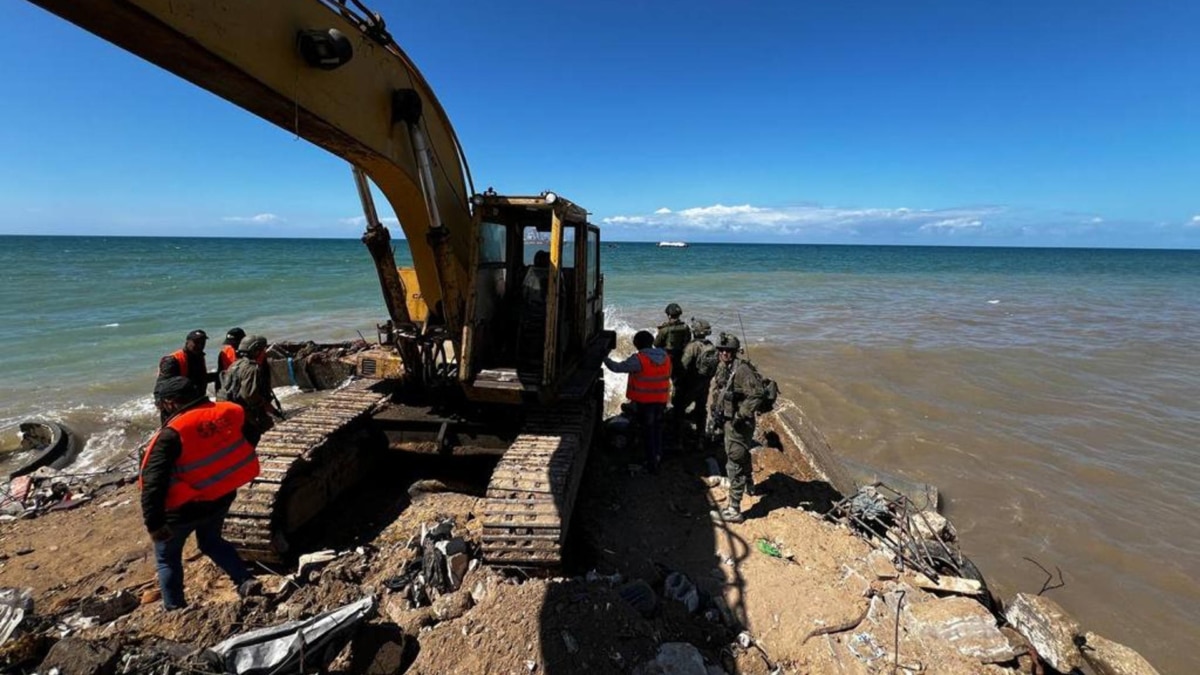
{"type": "Point", "coordinates": [1111, 658]}
{"type": "Point", "coordinates": [108, 607]}
{"type": "Point", "coordinates": [314, 561]}
{"type": "Point", "coordinates": [674, 658]}
{"type": "Point", "coordinates": [640, 596]}
{"type": "Point", "coordinates": [81, 657]}
{"type": "Point", "coordinates": [881, 565]}
{"type": "Point", "coordinates": [679, 587]}
{"type": "Point", "coordinates": [1048, 628]}
{"type": "Point", "coordinates": [932, 526]}
{"type": "Point", "coordinates": [962, 623]}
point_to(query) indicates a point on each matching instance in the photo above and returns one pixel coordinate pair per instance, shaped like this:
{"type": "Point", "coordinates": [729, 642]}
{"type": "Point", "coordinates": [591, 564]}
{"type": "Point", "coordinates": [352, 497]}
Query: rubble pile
{"type": "Point", "coordinates": [803, 586]}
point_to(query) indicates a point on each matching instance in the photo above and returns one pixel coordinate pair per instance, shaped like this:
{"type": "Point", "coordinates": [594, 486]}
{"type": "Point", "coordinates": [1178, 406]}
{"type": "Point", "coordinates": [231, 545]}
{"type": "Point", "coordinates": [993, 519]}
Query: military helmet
{"type": "Point", "coordinates": [701, 328]}
{"type": "Point", "coordinates": [235, 335]}
{"type": "Point", "coordinates": [252, 344]}
{"type": "Point", "coordinates": [728, 343]}
{"type": "Point", "coordinates": [673, 310]}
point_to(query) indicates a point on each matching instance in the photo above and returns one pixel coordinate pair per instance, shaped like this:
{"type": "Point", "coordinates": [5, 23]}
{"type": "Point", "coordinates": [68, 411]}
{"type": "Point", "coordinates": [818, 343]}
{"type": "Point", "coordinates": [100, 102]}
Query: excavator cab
{"type": "Point", "coordinates": [535, 308]}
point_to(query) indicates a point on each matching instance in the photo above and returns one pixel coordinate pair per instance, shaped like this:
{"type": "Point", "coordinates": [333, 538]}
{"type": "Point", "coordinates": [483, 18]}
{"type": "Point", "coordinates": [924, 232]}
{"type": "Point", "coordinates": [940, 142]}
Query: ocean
{"type": "Point", "coordinates": [1051, 394]}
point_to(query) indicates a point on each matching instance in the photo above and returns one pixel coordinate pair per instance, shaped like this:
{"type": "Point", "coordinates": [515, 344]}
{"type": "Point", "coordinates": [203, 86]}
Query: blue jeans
{"type": "Point", "coordinates": [169, 556]}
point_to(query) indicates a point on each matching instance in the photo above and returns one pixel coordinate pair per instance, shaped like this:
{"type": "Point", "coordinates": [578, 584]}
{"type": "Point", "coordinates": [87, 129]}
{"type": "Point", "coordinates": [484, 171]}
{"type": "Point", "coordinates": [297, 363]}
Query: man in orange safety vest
{"type": "Point", "coordinates": [649, 388]}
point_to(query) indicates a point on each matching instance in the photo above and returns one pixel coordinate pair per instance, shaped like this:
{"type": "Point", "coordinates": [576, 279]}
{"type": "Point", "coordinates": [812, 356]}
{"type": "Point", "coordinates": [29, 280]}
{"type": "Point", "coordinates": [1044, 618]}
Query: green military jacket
{"type": "Point", "coordinates": [739, 398]}
{"type": "Point", "coordinates": [673, 336]}
{"type": "Point", "coordinates": [694, 369]}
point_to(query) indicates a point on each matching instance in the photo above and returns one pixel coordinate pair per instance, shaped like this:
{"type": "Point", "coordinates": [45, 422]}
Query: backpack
{"type": "Point", "coordinates": [770, 391]}
{"type": "Point", "coordinates": [706, 362]}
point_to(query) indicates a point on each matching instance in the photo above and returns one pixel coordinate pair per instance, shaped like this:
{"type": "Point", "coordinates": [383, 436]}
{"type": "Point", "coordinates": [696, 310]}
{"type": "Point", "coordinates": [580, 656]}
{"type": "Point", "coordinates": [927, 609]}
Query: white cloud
{"type": "Point", "coordinates": [261, 219]}
{"type": "Point", "coordinates": [1097, 220]}
{"type": "Point", "coordinates": [361, 221]}
{"type": "Point", "coordinates": [806, 219]}
{"type": "Point", "coordinates": [1195, 221]}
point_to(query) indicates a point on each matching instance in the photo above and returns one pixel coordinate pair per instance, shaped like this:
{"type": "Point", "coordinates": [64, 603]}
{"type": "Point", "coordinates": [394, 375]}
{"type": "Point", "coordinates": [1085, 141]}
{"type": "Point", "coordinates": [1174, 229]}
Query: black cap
{"type": "Point", "coordinates": [235, 334]}
{"type": "Point", "coordinates": [175, 388]}
{"type": "Point", "coordinates": [198, 335]}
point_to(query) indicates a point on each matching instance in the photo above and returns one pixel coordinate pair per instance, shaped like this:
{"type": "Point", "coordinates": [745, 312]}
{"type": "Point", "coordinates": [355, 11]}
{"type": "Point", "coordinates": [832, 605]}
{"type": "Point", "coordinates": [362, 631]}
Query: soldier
{"type": "Point", "coordinates": [248, 383]}
{"type": "Point", "coordinates": [737, 395]}
{"type": "Point", "coordinates": [673, 335]}
{"type": "Point", "coordinates": [699, 365]}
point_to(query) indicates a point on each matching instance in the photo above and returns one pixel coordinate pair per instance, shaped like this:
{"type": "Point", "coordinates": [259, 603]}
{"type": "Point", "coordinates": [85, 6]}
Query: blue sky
{"type": "Point", "coordinates": [960, 122]}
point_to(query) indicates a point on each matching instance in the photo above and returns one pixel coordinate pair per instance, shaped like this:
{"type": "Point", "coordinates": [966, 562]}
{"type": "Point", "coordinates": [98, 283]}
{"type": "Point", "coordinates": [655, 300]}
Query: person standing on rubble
{"type": "Point", "coordinates": [649, 388]}
{"type": "Point", "coordinates": [189, 477]}
{"type": "Point", "coordinates": [228, 353]}
{"type": "Point", "coordinates": [736, 397]}
{"type": "Point", "coordinates": [699, 365]}
{"type": "Point", "coordinates": [248, 384]}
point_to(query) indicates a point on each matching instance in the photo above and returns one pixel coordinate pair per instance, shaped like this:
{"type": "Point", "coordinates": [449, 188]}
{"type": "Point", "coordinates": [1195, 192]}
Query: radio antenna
{"type": "Point", "coordinates": [745, 342]}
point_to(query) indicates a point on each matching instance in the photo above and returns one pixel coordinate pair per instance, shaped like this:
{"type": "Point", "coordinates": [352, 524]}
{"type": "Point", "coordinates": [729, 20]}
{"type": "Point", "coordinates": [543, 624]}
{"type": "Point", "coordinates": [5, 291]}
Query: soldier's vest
{"type": "Point", "coordinates": [652, 384]}
{"type": "Point", "coordinates": [216, 458]}
{"type": "Point", "coordinates": [677, 336]}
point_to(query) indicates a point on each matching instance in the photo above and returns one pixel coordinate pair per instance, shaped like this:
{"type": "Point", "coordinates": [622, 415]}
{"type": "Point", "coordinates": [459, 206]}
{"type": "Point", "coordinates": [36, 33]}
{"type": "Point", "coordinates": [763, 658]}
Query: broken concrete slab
{"type": "Point", "coordinates": [962, 623]}
{"type": "Point", "coordinates": [1112, 658]}
{"type": "Point", "coordinates": [81, 657]}
{"type": "Point", "coordinates": [1048, 628]}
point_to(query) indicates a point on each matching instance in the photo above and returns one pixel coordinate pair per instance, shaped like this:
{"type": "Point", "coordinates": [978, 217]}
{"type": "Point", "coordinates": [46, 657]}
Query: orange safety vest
{"type": "Point", "coordinates": [652, 384]}
{"type": "Point", "coordinates": [216, 458]}
{"type": "Point", "coordinates": [226, 358]}
{"type": "Point", "coordinates": [181, 359]}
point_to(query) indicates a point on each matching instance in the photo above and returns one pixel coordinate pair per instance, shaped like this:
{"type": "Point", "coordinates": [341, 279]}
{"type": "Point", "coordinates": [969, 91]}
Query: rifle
{"type": "Point", "coordinates": [278, 406]}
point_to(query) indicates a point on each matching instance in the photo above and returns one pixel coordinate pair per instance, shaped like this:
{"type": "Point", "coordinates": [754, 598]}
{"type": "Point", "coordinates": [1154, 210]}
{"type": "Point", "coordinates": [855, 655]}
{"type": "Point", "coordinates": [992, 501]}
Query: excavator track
{"type": "Point", "coordinates": [533, 489]}
{"type": "Point", "coordinates": [306, 462]}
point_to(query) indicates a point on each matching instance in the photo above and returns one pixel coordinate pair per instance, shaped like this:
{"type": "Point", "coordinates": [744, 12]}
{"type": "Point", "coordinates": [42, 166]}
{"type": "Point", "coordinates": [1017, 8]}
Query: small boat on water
{"type": "Point", "coordinates": [53, 444]}
{"type": "Point", "coordinates": [672, 244]}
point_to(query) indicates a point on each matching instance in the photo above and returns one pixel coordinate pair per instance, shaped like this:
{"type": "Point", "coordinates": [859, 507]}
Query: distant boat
{"type": "Point", "coordinates": [672, 244]}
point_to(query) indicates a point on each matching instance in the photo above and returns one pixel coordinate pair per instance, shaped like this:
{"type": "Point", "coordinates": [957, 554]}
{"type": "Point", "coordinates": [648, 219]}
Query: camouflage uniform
{"type": "Point", "coordinates": [735, 404]}
{"type": "Point", "coordinates": [248, 383]}
{"type": "Point", "coordinates": [673, 336]}
{"type": "Point", "coordinates": [696, 377]}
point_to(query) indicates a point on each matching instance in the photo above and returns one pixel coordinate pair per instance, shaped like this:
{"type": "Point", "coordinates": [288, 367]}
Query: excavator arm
{"type": "Point", "coordinates": [331, 74]}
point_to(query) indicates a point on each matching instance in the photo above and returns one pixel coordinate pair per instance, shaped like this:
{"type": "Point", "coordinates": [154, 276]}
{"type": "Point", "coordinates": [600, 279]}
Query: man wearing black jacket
{"type": "Point", "coordinates": [190, 474]}
{"type": "Point", "coordinates": [188, 362]}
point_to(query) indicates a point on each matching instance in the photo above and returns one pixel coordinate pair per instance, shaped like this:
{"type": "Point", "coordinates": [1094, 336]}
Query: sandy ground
{"type": "Point", "coordinates": [821, 608]}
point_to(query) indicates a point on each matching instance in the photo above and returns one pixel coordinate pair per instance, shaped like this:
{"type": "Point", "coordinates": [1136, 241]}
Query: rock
{"type": "Point", "coordinates": [677, 586]}
{"type": "Point", "coordinates": [1048, 628]}
{"type": "Point", "coordinates": [451, 605]}
{"type": "Point", "coordinates": [963, 624]}
{"type": "Point", "coordinates": [930, 525]}
{"type": "Point", "coordinates": [108, 607]}
{"type": "Point", "coordinates": [640, 596]}
{"type": "Point", "coordinates": [1111, 658]}
{"type": "Point", "coordinates": [570, 643]}
{"type": "Point", "coordinates": [80, 657]}
{"type": "Point", "coordinates": [880, 564]}
{"type": "Point", "coordinates": [674, 658]}
{"type": "Point", "coordinates": [456, 568]}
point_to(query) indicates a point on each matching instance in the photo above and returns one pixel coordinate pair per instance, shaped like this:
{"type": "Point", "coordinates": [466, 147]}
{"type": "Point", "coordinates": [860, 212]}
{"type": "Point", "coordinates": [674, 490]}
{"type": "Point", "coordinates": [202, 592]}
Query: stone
{"type": "Point", "coordinates": [880, 564]}
{"type": "Point", "coordinates": [963, 624]}
{"type": "Point", "coordinates": [105, 608]}
{"type": "Point", "coordinates": [456, 568]}
{"type": "Point", "coordinates": [931, 525]}
{"type": "Point", "coordinates": [1047, 627]}
{"type": "Point", "coordinates": [81, 657]}
{"type": "Point", "coordinates": [387, 660]}
{"type": "Point", "coordinates": [451, 605]}
{"type": "Point", "coordinates": [1111, 658]}
{"type": "Point", "coordinates": [640, 596]}
{"type": "Point", "coordinates": [674, 658]}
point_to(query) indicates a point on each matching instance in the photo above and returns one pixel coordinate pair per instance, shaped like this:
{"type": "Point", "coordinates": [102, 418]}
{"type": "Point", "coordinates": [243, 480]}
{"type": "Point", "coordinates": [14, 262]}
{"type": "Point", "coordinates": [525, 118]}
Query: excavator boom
{"type": "Point", "coordinates": [334, 77]}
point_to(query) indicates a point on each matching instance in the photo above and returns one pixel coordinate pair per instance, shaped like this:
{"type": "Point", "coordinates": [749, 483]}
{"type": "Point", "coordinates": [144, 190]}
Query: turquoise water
{"type": "Point", "coordinates": [1050, 393]}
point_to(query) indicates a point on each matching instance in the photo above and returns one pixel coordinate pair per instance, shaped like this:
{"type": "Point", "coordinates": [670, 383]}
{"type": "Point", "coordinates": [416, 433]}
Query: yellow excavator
{"type": "Point", "coordinates": [494, 336]}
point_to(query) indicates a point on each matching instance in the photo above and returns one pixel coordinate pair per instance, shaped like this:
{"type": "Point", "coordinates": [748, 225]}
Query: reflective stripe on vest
{"type": "Point", "coordinates": [226, 358]}
{"type": "Point", "coordinates": [215, 460]}
{"type": "Point", "coordinates": [652, 384]}
{"type": "Point", "coordinates": [181, 359]}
